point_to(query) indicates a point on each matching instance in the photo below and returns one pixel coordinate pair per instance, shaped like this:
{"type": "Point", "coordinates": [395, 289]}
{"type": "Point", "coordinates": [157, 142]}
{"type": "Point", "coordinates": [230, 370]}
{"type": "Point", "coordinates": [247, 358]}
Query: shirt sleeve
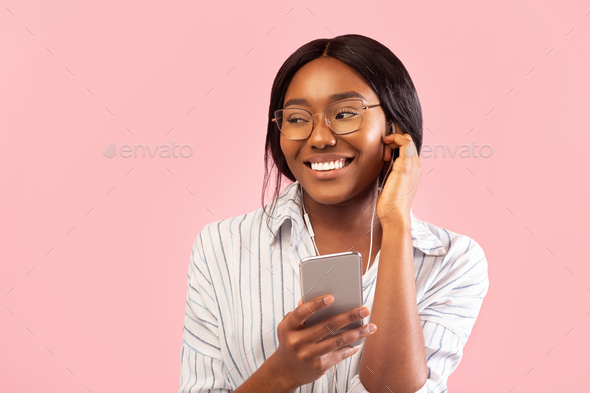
{"type": "Point", "coordinates": [201, 365]}
{"type": "Point", "coordinates": [449, 308]}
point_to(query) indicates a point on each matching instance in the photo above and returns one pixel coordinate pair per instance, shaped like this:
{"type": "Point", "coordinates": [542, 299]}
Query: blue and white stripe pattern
{"type": "Point", "coordinates": [243, 278]}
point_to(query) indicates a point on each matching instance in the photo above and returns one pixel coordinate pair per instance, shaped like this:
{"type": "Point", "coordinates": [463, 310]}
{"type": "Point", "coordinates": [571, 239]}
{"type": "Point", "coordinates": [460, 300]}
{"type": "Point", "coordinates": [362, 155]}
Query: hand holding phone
{"type": "Point", "coordinates": [302, 356]}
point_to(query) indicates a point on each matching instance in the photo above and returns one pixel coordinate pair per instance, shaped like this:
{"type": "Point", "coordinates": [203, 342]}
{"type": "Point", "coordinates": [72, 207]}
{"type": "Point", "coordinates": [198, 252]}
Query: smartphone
{"type": "Point", "coordinates": [339, 275]}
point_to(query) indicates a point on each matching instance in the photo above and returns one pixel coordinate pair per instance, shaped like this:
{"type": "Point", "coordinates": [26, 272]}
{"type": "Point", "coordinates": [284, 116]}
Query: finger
{"type": "Point", "coordinates": [402, 141]}
{"type": "Point", "coordinates": [300, 301]}
{"type": "Point", "coordinates": [343, 353]}
{"type": "Point", "coordinates": [348, 351]}
{"type": "Point", "coordinates": [330, 326]}
{"type": "Point", "coordinates": [340, 340]}
{"type": "Point", "coordinates": [396, 140]}
{"type": "Point", "coordinates": [305, 310]}
{"type": "Point", "coordinates": [387, 153]}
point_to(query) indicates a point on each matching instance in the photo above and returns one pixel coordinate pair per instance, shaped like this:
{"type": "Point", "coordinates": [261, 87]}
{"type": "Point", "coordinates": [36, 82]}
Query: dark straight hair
{"type": "Point", "coordinates": [375, 63]}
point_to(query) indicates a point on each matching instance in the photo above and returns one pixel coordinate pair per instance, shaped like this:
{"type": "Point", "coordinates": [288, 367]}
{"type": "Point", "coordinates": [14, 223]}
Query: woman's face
{"type": "Point", "coordinates": [316, 82]}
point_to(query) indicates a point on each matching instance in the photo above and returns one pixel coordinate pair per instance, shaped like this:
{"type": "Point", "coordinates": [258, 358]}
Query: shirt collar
{"type": "Point", "coordinates": [288, 208]}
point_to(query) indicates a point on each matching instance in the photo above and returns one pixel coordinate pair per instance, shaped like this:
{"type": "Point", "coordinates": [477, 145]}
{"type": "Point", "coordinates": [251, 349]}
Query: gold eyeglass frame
{"type": "Point", "coordinates": [325, 113]}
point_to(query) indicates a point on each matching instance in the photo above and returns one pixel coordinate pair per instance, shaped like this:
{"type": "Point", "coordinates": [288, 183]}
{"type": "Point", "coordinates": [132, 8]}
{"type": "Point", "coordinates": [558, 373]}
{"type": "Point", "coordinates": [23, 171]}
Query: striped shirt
{"type": "Point", "coordinates": [243, 278]}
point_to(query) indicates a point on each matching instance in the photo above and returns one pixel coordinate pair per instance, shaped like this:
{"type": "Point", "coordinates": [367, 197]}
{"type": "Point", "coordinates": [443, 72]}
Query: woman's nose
{"type": "Point", "coordinates": [321, 134]}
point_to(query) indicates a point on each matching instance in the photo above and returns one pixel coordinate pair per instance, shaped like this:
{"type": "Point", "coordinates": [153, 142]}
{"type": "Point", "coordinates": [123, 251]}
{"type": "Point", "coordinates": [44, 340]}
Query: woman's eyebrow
{"type": "Point", "coordinates": [332, 98]}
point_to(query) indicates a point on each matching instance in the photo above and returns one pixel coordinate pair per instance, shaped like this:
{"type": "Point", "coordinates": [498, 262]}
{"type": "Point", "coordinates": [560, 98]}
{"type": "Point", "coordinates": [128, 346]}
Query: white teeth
{"type": "Point", "coordinates": [326, 166]}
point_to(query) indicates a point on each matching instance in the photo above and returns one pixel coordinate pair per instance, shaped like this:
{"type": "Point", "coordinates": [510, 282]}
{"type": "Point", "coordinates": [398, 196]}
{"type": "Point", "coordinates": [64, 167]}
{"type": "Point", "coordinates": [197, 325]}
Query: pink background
{"type": "Point", "coordinates": [109, 240]}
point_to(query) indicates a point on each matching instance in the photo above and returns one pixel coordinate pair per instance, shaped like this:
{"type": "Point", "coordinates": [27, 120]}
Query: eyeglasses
{"type": "Point", "coordinates": [342, 117]}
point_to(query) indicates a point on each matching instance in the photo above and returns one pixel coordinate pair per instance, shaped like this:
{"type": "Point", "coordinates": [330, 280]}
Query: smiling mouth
{"type": "Point", "coordinates": [329, 166]}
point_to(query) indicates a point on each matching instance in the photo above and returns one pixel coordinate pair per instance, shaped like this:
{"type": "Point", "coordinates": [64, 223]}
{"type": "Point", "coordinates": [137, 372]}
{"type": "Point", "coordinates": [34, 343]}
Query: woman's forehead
{"type": "Point", "coordinates": [321, 82]}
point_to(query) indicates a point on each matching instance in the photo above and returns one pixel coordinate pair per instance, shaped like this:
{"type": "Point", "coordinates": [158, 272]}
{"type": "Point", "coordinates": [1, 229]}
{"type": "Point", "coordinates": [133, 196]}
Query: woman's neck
{"type": "Point", "coordinates": [349, 219]}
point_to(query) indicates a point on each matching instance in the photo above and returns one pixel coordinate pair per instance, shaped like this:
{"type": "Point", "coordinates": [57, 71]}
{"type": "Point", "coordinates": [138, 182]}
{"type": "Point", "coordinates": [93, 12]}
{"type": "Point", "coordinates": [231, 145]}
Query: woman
{"type": "Point", "coordinates": [423, 285]}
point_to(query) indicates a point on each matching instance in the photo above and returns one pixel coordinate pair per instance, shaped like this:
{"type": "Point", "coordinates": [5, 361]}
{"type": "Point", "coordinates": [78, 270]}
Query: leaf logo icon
{"type": "Point", "coordinates": [110, 150]}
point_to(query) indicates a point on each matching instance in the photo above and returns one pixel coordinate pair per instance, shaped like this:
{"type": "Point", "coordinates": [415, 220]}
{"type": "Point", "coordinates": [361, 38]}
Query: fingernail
{"type": "Point", "coordinates": [329, 299]}
{"type": "Point", "coordinates": [372, 327]}
{"type": "Point", "coordinates": [364, 312]}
